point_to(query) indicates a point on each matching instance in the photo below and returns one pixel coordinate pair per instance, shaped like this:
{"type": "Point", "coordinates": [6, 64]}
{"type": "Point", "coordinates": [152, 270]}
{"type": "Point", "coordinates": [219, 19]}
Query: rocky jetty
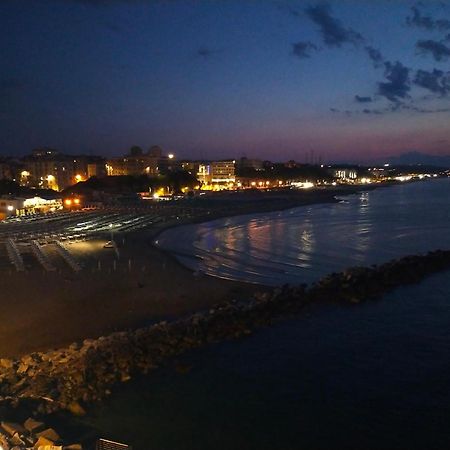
{"type": "Point", "coordinates": [73, 377]}
{"type": "Point", "coordinates": [32, 434]}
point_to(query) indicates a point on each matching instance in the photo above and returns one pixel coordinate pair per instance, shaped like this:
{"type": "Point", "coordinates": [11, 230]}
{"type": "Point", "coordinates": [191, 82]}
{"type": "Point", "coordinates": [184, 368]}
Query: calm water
{"type": "Point", "coordinates": [303, 244]}
{"type": "Point", "coordinates": [370, 376]}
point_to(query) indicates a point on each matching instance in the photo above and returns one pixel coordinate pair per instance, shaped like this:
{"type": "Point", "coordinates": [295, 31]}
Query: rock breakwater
{"type": "Point", "coordinates": [71, 378]}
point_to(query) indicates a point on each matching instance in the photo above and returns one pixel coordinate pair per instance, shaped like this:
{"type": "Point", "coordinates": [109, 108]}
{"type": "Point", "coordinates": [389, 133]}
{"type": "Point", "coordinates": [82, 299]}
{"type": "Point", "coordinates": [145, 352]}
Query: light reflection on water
{"type": "Point", "coordinates": [303, 244]}
{"type": "Point", "coordinates": [373, 376]}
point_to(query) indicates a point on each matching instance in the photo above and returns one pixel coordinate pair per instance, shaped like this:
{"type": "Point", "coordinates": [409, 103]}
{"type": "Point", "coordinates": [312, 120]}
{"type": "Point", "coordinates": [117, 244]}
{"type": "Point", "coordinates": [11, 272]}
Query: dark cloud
{"type": "Point", "coordinates": [436, 81]}
{"type": "Point", "coordinates": [360, 99]}
{"type": "Point", "coordinates": [302, 49]}
{"type": "Point", "coordinates": [427, 22]}
{"type": "Point", "coordinates": [338, 111]}
{"type": "Point", "coordinates": [398, 84]}
{"type": "Point", "coordinates": [375, 55]}
{"type": "Point", "coordinates": [206, 53]}
{"type": "Point", "coordinates": [397, 107]}
{"type": "Point", "coordinates": [371, 111]}
{"type": "Point", "coordinates": [439, 50]}
{"type": "Point", "coordinates": [425, 110]}
{"type": "Point", "coordinates": [334, 34]}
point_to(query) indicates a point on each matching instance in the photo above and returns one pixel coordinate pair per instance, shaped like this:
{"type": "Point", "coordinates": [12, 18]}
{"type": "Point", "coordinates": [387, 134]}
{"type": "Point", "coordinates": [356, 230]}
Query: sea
{"type": "Point", "coordinates": [369, 376]}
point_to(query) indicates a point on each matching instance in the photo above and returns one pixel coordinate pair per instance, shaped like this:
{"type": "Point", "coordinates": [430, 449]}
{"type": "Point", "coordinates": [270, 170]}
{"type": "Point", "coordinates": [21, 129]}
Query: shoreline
{"type": "Point", "coordinates": [328, 195]}
{"type": "Point", "coordinates": [75, 376]}
{"type": "Point", "coordinates": [330, 198]}
{"type": "Point", "coordinates": [50, 310]}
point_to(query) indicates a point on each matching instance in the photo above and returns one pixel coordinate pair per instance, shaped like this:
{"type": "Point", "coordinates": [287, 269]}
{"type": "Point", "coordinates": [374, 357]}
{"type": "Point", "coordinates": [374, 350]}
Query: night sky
{"type": "Point", "coordinates": [345, 80]}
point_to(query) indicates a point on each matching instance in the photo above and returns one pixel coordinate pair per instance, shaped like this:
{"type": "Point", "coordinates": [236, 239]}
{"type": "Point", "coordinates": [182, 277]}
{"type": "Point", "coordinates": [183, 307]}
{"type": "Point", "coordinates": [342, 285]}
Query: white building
{"type": "Point", "coordinates": [19, 206]}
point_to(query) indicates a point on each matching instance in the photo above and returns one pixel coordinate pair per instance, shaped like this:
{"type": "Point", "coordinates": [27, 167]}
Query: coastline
{"type": "Point", "coordinates": [47, 310]}
{"type": "Point", "coordinates": [328, 196]}
{"type": "Point", "coordinates": [75, 376]}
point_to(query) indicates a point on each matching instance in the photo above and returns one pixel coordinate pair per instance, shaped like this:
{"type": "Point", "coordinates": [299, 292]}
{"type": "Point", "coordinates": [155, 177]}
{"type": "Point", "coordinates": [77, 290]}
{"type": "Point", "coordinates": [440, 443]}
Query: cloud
{"type": "Point", "coordinates": [425, 110]}
{"type": "Point", "coordinates": [363, 99]}
{"type": "Point", "coordinates": [206, 53]}
{"type": "Point", "coordinates": [371, 111]}
{"type": "Point", "coordinates": [426, 22]}
{"type": "Point", "coordinates": [436, 81]}
{"type": "Point", "coordinates": [334, 34]}
{"type": "Point", "coordinates": [439, 50]}
{"type": "Point", "coordinates": [302, 49]}
{"type": "Point", "coordinates": [393, 108]}
{"type": "Point", "coordinates": [338, 111]}
{"type": "Point", "coordinates": [398, 84]}
{"type": "Point", "coordinates": [375, 55]}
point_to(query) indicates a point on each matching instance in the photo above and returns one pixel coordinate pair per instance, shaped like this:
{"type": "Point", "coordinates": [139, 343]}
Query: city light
{"type": "Point", "coordinates": [68, 202]}
{"type": "Point", "coordinates": [10, 208]}
{"type": "Point", "coordinates": [170, 155]}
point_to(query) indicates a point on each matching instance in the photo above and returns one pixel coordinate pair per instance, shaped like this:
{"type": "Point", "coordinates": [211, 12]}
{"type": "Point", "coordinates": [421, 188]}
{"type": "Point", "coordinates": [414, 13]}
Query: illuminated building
{"type": "Point", "coordinates": [223, 172]}
{"type": "Point", "coordinates": [19, 206]}
{"type": "Point", "coordinates": [138, 163]}
{"type": "Point", "coordinates": [217, 175]}
{"type": "Point", "coordinates": [344, 174]}
{"type": "Point", "coordinates": [50, 169]}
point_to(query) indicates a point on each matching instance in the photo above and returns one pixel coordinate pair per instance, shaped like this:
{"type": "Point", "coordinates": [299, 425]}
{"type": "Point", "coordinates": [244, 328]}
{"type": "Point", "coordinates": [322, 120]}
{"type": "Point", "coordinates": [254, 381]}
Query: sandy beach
{"type": "Point", "coordinates": [41, 310]}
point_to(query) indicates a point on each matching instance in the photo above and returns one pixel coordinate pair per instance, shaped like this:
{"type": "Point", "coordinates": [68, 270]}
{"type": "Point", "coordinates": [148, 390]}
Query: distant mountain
{"type": "Point", "coordinates": [414, 157]}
